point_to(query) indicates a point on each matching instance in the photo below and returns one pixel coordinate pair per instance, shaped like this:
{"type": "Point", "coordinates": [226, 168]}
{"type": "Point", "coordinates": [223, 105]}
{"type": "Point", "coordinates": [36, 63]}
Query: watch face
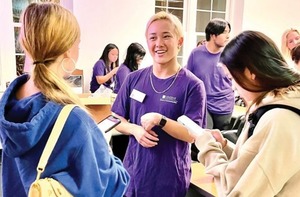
{"type": "Point", "coordinates": [163, 121]}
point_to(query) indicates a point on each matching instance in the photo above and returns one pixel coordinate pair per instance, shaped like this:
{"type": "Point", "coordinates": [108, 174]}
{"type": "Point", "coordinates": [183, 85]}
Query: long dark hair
{"type": "Point", "coordinates": [104, 56]}
{"type": "Point", "coordinates": [259, 54]}
{"type": "Point", "coordinates": [134, 51]}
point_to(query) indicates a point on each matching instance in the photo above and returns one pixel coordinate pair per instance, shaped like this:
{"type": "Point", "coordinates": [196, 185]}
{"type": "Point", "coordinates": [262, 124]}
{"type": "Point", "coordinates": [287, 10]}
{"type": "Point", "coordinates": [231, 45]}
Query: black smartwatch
{"type": "Point", "coordinates": [162, 121]}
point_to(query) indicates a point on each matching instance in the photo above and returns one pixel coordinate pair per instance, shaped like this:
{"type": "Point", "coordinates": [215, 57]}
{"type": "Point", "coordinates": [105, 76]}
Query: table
{"type": "Point", "coordinates": [99, 106]}
{"type": "Point", "coordinates": [201, 184]}
{"type": "Point", "coordinates": [238, 111]}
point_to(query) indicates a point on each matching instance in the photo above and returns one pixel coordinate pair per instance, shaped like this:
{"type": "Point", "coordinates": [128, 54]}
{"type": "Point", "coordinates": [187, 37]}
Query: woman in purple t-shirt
{"type": "Point", "coordinates": [134, 56]}
{"type": "Point", "coordinates": [149, 103]}
{"type": "Point", "coordinates": [105, 68]}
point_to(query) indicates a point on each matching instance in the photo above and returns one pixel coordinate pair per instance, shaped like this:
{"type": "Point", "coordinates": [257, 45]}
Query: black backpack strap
{"type": "Point", "coordinates": [255, 116]}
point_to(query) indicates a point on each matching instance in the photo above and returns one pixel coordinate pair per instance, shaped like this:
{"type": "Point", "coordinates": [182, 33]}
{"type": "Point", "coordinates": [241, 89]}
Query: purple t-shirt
{"type": "Point", "coordinates": [121, 75]}
{"type": "Point", "coordinates": [98, 70]}
{"type": "Point", "coordinates": [220, 96]}
{"type": "Point", "coordinates": [164, 169]}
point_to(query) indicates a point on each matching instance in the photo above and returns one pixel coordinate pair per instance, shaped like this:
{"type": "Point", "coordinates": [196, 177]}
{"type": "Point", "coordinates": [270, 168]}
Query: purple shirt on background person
{"type": "Point", "coordinates": [220, 95]}
{"type": "Point", "coordinates": [121, 75]}
{"type": "Point", "coordinates": [163, 170]}
{"type": "Point", "coordinates": [98, 70]}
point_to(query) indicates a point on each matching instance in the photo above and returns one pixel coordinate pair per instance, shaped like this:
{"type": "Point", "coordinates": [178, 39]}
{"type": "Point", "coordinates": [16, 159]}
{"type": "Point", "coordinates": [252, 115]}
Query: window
{"type": "Point", "coordinates": [194, 15]}
{"type": "Point", "coordinates": [10, 50]}
{"type": "Point", "coordinates": [18, 6]}
{"type": "Point", "coordinates": [175, 7]}
{"type": "Point", "coordinates": [207, 10]}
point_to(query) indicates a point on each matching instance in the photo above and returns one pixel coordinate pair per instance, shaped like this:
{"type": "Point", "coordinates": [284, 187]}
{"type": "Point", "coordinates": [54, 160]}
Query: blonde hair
{"type": "Point", "coordinates": [162, 15]}
{"type": "Point", "coordinates": [284, 49]}
{"type": "Point", "coordinates": [48, 30]}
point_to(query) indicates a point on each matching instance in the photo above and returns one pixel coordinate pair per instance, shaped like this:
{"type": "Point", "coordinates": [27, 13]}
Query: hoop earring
{"type": "Point", "coordinates": [63, 67]}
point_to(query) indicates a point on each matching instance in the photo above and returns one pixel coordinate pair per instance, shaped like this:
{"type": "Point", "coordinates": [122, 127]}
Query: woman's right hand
{"type": "Point", "coordinates": [218, 136]}
{"type": "Point", "coordinates": [145, 138]}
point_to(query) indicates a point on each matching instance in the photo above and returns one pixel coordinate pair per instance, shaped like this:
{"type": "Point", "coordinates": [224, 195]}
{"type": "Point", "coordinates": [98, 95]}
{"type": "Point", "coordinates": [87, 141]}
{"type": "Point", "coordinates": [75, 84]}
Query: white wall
{"type": "Point", "coordinates": [235, 17]}
{"type": "Point", "coordinates": [123, 22]}
{"type": "Point", "coordinates": [272, 17]}
{"type": "Point", "coordinates": [111, 21]}
{"type": "Point", "coordinates": [7, 46]}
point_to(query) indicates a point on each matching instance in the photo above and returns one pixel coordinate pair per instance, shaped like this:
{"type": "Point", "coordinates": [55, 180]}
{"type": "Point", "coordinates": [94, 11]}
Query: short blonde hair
{"type": "Point", "coordinates": [162, 15]}
{"type": "Point", "coordinates": [284, 49]}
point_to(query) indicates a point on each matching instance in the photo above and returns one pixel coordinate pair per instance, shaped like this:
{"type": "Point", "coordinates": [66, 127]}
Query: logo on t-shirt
{"type": "Point", "coordinates": [169, 99]}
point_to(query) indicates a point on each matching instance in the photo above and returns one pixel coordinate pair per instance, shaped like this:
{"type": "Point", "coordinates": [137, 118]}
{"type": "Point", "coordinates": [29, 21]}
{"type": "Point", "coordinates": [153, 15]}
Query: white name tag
{"type": "Point", "coordinates": [137, 95]}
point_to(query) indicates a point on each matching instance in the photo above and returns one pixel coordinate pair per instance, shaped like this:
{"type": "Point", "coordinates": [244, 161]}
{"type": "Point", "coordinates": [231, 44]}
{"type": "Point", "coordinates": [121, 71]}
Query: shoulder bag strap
{"type": "Point", "coordinates": [255, 116]}
{"type": "Point", "coordinates": [55, 133]}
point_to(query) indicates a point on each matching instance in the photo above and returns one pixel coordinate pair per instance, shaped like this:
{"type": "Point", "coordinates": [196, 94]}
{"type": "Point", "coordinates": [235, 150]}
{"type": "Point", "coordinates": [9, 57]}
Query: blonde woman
{"type": "Point", "coordinates": [158, 154]}
{"type": "Point", "coordinates": [81, 161]}
{"type": "Point", "coordinates": [289, 40]}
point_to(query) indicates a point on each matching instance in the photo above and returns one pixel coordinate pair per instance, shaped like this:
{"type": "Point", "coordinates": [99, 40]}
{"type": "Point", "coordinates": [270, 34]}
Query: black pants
{"type": "Point", "coordinates": [119, 145]}
{"type": "Point", "coordinates": [217, 121]}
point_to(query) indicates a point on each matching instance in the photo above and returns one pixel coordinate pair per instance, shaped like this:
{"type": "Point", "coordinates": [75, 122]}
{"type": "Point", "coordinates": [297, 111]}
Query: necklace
{"type": "Point", "coordinates": [160, 92]}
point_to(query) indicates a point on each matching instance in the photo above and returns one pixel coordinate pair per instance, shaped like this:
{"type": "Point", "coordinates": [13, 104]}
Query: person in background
{"type": "Point", "coordinates": [295, 54]}
{"type": "Point", "coordinates": [289, 40]}
{"type": "Point", "coordinates": [105, 68]}
{"type": "Point", "coordinates": [29, 108]}
{"type": "Point", "coordinates": [203, 62]}
{"type": "Point", "coordinates": [201, 42]}
{"type": "Point", "coordinates": [134, 56]}
{"type": "Point", "coordinates": [255, 166]}
{"type": "Point", "coordinates": [149, 103]}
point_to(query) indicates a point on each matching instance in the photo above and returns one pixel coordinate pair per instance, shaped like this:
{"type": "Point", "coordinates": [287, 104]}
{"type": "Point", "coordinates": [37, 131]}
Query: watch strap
{"type": "Point", "coordinates": [162, 121]}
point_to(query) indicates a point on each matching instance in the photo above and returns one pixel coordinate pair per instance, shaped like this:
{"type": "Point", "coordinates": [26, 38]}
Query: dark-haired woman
{"type": "Point", "coordinates": [134, 56]}
{"type": "Point", "coordinates": [105, 68]}
{"type": "Point", "coordinates": [266, 163]}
